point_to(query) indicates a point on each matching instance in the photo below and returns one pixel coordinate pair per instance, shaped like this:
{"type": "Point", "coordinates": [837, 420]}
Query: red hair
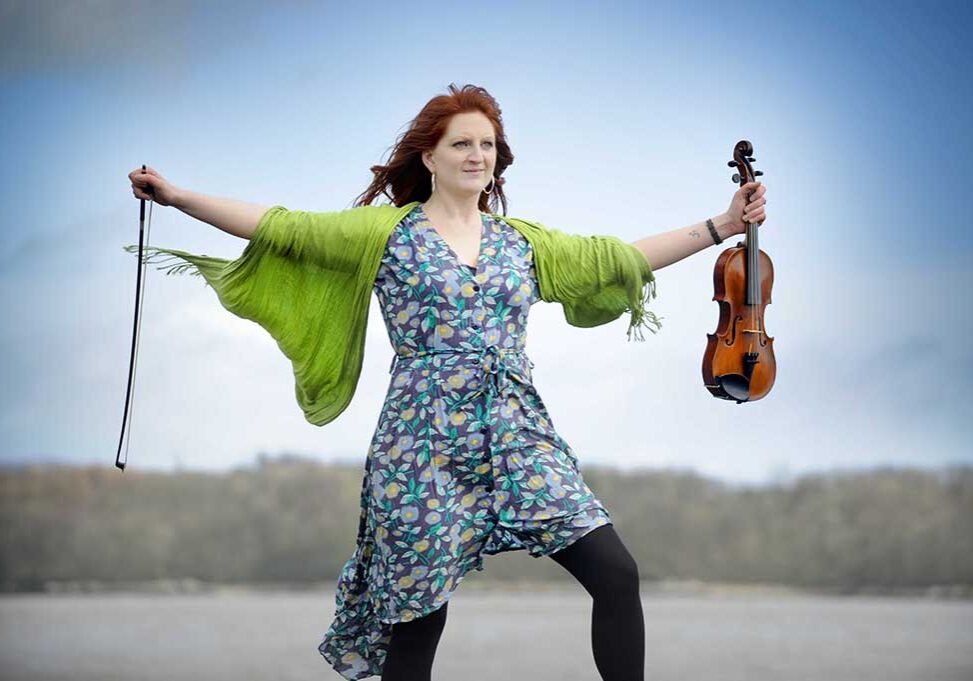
{"type": "Point", "coordinates": [407, 177]}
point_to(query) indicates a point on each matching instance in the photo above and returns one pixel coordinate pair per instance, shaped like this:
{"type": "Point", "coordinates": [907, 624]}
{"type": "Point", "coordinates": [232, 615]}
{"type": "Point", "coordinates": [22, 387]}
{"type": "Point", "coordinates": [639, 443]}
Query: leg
{"type": "Point", "coordinates": [607, 571]}
{"type": "Point", "coordinates": [413, 647]}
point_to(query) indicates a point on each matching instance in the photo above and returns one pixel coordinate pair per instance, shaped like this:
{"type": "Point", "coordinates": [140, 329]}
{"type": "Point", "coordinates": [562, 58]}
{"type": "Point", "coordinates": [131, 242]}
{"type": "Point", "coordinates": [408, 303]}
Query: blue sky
{"type": "Point", "coordinates": [621, 118]}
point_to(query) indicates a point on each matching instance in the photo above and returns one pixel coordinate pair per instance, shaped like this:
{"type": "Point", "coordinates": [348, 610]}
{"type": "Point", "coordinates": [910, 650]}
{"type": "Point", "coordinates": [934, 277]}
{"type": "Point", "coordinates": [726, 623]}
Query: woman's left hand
{"type": "Point", "coordinates": [742, 212]}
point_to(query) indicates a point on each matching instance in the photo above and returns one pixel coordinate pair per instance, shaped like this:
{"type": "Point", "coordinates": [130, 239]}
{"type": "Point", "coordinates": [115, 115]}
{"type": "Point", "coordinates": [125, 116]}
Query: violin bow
{"type": "Point", "coordinates": [136, 325]}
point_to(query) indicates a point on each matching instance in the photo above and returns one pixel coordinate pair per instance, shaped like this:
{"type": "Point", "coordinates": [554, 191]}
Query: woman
{"type": "Point", "coordinates": [465, 460]}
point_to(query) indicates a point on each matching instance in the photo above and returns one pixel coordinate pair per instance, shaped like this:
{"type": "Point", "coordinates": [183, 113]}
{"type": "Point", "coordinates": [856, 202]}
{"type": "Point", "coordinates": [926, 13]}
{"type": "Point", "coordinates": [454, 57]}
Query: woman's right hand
{"type": "Point", "coordinates": [149, 185]}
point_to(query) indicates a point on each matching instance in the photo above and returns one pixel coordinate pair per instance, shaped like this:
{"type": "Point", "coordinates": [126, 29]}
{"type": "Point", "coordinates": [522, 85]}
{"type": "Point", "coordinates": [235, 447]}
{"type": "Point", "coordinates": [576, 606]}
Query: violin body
{"type": "Point", "coordinates": [739, 362]}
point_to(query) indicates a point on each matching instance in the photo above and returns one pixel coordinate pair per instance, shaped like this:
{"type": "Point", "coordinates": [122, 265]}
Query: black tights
{"type": "Point", "coordinates": [607, 571]}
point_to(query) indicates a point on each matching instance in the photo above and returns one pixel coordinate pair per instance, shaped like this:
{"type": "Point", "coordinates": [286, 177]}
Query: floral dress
{"type": "Point", "coordinates": [464, 460]}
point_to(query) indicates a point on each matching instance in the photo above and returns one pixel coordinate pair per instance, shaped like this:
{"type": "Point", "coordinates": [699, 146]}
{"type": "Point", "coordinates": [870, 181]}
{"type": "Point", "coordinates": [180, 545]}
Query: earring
{"type": "Point", "coordinates": [493, 183]}
{"type": "Point", "coordinates": [433, 183]}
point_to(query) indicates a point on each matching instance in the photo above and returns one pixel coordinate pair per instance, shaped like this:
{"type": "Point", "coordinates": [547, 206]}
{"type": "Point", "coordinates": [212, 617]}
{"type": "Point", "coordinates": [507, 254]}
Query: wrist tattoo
{"type": "Point", "coordinates": [694, 234]}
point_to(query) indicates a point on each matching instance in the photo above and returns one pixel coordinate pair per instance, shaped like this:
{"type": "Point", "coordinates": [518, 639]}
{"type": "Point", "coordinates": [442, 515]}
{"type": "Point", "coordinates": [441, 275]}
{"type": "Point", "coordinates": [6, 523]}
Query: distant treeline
{"type": "Point", "coordinates": [295, 520]}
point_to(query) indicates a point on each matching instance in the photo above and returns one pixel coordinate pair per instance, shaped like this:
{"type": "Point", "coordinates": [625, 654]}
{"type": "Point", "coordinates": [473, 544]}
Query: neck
{"type": "Point", "coordinates": [453, 208]}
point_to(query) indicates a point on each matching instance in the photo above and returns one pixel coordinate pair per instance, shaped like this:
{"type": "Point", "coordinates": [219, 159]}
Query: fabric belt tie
{"type": "Point", "coordinates": [496, 369]}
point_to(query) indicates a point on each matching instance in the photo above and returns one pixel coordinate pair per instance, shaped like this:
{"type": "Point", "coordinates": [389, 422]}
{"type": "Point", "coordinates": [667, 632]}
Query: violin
{"type": "Point", "coordinates": [739, 360]}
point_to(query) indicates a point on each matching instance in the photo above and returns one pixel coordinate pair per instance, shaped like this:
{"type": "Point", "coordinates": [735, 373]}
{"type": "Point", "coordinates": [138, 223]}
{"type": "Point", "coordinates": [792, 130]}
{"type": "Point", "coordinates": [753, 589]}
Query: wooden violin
{"type": "Point", "coordinates": [739, 360]}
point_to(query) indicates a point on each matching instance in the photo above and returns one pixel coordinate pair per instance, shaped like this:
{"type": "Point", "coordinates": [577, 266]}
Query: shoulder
{"type": "Point", "coordinates": [385, 214]}
{"type": "Point", "coordinates": [537, 232]}
{"type": "Point", "coordinates": [522, 224]}
{"type": "Point", "coordinates": [354, 218]}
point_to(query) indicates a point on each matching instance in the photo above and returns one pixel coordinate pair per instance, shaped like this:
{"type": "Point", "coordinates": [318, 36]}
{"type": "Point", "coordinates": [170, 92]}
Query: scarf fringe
{"type": "Point", "coordinates": [643, 318]}
{"type": "Point", "coordinates": [153, 255]}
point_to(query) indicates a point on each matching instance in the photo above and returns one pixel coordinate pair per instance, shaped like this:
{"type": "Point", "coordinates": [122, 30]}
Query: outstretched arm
{"type": "Point", "coordinates": [664, 249]}
{"type": "Point", "coordinates": [238, 218]}
{"type": "Point", "coordinates": [669, 247]}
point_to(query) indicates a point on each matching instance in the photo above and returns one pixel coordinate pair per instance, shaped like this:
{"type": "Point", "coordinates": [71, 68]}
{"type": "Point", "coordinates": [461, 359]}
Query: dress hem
{"type": "Point", "coordinates": [475, 564]}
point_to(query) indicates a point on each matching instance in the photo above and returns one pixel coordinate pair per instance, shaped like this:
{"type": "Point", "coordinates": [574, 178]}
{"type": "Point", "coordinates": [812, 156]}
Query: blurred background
{"type": "Point", "coordinates": [850, 484]}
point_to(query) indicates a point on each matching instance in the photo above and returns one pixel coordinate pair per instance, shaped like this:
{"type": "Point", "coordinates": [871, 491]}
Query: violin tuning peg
{"type": "Point", "coordinates": [732, 164]}
{"type": "Point", "coordinates": [751, 159]}
{"type": "Point", "coordinates": [758, 173]}
{"type": "Point", "coordinates": [736, 178]}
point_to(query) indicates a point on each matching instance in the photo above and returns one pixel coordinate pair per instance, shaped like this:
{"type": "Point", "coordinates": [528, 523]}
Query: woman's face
{"type": "Point", "coordinates": [469, 144]}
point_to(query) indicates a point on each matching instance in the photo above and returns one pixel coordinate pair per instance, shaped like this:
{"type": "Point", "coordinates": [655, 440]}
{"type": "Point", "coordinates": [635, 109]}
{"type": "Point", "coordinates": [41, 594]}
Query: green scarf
{"type": "Point", "coordinates": [307, 279]}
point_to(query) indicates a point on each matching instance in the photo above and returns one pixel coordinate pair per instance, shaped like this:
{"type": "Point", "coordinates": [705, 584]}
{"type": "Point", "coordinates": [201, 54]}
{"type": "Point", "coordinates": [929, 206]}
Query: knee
{"type": "Point", "coordinates": [622, 578]}
{"type": "Point", "coordinates": [628, 573]}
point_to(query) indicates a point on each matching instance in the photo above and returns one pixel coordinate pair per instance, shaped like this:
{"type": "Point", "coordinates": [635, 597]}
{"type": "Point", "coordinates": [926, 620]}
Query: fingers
{"type": "Point", "coordinates": [754, 212]}
{"type": "Point", "coordinates": [751, 218]}
{"type": "Point", "coordinates": [143, 182]}
{"type": "Point", "coordinates": [142, 187]}
{"type": "Point", "coordinates": [138, 172]}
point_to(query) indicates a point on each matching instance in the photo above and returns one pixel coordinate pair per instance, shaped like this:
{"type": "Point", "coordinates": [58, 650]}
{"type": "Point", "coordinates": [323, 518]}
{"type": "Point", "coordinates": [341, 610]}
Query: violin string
{"type": "Point", "coordinates": [752, 282]}
{"type": "Point", "coordinates": [755, 288]}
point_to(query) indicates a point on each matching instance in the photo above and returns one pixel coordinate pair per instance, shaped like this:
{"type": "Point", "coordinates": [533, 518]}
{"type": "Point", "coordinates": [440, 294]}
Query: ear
{"type": "Point", "coordinates": [427, 161]}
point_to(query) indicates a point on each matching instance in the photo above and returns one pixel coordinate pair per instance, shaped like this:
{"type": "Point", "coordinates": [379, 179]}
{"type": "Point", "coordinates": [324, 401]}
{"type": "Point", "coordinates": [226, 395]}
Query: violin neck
{"type": "Point", "coordinates": [753, 266]}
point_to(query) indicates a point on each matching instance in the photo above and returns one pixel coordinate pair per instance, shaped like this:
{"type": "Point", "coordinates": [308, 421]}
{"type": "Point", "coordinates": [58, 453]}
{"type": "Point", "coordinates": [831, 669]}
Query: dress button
{"type": "Point", "coordinates": [476, 287]}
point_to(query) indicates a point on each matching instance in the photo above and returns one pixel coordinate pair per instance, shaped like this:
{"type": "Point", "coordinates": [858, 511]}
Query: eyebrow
{"type": "Point", "coordinates": [459, 137]}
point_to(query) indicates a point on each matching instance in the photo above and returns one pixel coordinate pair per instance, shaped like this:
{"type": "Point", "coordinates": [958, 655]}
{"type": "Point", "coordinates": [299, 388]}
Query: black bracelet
{"type": "Point", "coordinates": [712, 231]}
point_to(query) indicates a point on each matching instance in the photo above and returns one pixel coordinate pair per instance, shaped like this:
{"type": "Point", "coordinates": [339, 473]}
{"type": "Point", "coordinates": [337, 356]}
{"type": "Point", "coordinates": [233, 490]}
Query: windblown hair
{"type": "Point", "coordinates": [406, 176]}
